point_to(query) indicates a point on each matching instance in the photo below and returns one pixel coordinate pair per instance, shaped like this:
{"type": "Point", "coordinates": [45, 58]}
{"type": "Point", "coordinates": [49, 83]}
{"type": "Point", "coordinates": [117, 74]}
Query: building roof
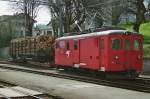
{"type": "Point", "coordinates": [42, 27]}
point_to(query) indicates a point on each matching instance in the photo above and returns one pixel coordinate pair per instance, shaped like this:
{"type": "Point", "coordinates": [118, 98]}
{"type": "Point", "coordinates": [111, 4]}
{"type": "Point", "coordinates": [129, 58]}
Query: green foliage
{"type": "Point", "coordinates": [128, 26]}
{"type": "Point", "coordinates": [145, 31]}
{"type": "Point", "coordinates": [147, 50]}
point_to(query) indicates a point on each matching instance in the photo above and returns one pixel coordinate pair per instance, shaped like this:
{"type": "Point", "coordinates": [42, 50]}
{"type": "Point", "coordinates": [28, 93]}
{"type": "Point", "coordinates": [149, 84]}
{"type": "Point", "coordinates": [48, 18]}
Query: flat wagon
{"type": "Point", "coordinates": [38, 48]}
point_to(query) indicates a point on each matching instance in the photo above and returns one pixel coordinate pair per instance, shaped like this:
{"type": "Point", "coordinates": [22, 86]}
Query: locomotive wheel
{"type": "Point", "coordinates": [122, 75]}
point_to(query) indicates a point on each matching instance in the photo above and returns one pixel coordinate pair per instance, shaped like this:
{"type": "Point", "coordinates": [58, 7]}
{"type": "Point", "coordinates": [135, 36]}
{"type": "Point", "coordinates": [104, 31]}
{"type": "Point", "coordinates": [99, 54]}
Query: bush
{"type": "Point", "coordinates": [147, 51]}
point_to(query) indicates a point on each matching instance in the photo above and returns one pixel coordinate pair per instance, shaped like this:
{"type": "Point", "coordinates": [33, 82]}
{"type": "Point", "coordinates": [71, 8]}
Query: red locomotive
{"type": "Point", "coordinates": [109, 51]}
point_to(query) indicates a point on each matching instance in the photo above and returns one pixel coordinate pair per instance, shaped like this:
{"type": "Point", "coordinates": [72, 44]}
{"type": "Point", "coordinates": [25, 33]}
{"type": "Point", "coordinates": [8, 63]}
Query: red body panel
{"type": "Point", "coordinates": [90, 55]}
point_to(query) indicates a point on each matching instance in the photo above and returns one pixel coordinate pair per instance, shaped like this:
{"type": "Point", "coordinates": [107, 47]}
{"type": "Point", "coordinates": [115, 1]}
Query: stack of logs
{"type": "Point", "coordinates": [40, 48]}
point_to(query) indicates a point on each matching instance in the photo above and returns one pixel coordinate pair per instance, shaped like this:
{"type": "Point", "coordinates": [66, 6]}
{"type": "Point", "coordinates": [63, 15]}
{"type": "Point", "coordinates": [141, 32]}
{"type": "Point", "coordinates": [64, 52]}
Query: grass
{"type": "Point", "coordinates": [145, 31]}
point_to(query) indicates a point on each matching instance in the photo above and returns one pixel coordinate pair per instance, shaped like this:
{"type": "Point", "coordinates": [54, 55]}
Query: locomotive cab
{"type": "Point", "coordinates": [125, 54]}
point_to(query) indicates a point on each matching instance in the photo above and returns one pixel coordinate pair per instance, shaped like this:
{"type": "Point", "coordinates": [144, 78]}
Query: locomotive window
{"type": "Point", "coordinates": [67, 45]}
{"type": "Point", "coordinates": [102, 46]}
{"type": "Point", "coordinates": [57, 45]}
{"type": "Point", "coordinates": [127, 44]}
{"type": "Point", "coordinates": [75, 45]}
{"type": "Point", "coordinates": [116, 44]}
{"type": "Point", "coordinates": [61, 44]}
{"type": "Point", "coordinates": [137, 44]}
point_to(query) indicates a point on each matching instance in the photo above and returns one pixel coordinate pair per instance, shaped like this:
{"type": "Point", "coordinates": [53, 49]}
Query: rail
{"type": "Point", "coordinates": [10, 87]}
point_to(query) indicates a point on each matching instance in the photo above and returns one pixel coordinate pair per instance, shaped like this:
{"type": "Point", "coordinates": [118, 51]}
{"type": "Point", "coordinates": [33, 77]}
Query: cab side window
{"type": "Point", "coordinates": [57, 45]}
{"type": "Point", "coordinates": [127, 44]}
{"type": "Point", "coordinates": [116, 43]}
{"type": "Point", "coordinates": [67, 45]}
{"type": "Point", "coordinates": [60, 44]}
{"type": "Point", "coordinates": [75, 44]}
{"type": "Point", "coordinates": [137, 44]}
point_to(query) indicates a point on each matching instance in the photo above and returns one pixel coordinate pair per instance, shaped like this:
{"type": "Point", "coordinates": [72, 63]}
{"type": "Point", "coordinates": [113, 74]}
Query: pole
{"type": "Point", "coordinates": [60, 5]}
{"type": "Point", "coordinates": [25, 16]}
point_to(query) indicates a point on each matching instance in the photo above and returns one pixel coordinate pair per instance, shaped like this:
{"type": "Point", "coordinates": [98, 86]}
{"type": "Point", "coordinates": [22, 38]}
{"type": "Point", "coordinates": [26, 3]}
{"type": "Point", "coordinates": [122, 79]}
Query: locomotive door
{"type": "Point", "coordinates": [117, 54]}
{"type": "Point", "coordinates": [68, 53]}
{"type": "Point", "coordinates": [76, 52]}
{"type": "Point", "coordinates": [137, 53]}
{"type": "Point", "coordinates": [101, 53]}
{"type": "Point", "coordinates": [127, 51]}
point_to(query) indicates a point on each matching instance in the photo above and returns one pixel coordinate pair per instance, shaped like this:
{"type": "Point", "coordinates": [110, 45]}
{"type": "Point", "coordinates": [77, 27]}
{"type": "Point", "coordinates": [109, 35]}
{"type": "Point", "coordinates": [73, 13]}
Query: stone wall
{"type": "Point", "coordinates": [4, 53]}
{"type": "Point", "coordinates": [146, 68]}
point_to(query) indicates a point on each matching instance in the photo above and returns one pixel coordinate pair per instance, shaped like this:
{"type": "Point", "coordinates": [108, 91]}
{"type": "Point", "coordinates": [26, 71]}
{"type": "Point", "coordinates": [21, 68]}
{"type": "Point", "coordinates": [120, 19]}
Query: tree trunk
{"type": "Point", "coordinates": [140, 17]}
{"type": "Point", "coordinates": [136, 27]}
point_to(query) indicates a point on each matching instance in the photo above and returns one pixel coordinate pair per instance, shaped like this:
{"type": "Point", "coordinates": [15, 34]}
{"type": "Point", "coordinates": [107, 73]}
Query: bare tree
{"type": "Point", "coordinates": [140, 15]}
{"type": "Point", "coordinates": [149, 7]}
{"type": "Point", "coordinates": [119, 8]}
{"type": "Point", "coordinates": [72, 14]}
{"type": "Point", "coordinates": [67, 13]}
{"type": "Point", "coordinates": [102, 12]}
{"type": "Point", "coordinates": [30, 10]}
{"type": "Point", "coordinates": [98, 11]}
{"type": "Point", "coordinates": [138, 8]}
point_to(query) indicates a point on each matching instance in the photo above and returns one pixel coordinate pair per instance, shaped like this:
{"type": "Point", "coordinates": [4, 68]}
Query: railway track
{"type": "Point", "coordinates": [22, 93]}
{"type": "Point", "coordinates": [139, 84]}
{"type": "Point", "coordinates": [6, 87]}
{"type": "Point", "coordinates": [15, 90]}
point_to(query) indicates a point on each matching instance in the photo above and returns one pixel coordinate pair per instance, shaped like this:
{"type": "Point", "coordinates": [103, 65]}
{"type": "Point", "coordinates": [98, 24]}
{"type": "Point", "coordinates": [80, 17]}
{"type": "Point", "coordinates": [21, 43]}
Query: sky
{"type": "Point", "coordinates": [42, 18]}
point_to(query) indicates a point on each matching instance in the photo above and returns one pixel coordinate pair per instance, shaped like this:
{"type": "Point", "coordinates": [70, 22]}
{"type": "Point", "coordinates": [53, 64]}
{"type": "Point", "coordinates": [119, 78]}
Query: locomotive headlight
{"type": "Point", "coordinates": [116, 57]}
{"type": "Point", "coordinates": [139, 57]}
{"type": "Point", "coordinates": [102, 69]}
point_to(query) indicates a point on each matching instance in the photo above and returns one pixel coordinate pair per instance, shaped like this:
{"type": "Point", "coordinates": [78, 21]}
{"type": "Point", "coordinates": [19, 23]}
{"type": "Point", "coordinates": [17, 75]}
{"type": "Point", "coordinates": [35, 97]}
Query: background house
{"type": "Point", "coordinates": [42, 29]}
{"type": "Point", "coordinates": [13, 25]}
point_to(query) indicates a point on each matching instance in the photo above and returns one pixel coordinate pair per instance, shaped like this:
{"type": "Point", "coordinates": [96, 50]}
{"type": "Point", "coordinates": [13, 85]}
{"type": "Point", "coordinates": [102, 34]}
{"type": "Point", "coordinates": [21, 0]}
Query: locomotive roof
{"type": "Point", "coordinates": [93, 34]}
